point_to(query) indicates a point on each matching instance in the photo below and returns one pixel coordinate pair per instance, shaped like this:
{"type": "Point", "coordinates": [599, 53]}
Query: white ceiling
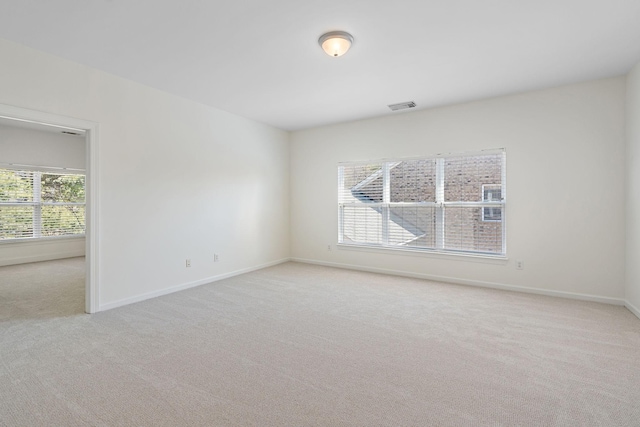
{"type": "Point", "coordinates": [260, 59]}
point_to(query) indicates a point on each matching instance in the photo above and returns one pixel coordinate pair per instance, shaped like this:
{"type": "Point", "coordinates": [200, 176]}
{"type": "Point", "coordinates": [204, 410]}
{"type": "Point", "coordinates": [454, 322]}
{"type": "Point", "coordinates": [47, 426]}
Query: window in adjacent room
{"type": "Point", "coordinates": [37, 204]}
{"type": "Point", "coordinates": [451, 203]}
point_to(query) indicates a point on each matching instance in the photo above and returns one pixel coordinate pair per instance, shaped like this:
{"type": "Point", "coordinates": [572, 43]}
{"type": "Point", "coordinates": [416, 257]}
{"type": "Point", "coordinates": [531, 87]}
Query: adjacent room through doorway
{"type": "Point", "coordinates": [42, 219]}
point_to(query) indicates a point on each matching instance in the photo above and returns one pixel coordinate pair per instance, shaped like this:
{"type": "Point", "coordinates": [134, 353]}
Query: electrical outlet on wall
{"type": "Point", "coordinates": [329, 248]}
{"type": "Point", "coordinates": [216, 257]}
{"type": "Point", "coordinates": [519, 264]}
{"type": "Point", "coordinates": [188, 263]}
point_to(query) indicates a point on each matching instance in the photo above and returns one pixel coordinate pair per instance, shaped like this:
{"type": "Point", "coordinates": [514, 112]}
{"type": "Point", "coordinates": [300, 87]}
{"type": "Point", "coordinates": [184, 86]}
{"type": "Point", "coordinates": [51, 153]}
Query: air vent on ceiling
{"type": "Point", "coordinates": [71, 133]}
{"type": "Point", "coordinates": [402, 106]}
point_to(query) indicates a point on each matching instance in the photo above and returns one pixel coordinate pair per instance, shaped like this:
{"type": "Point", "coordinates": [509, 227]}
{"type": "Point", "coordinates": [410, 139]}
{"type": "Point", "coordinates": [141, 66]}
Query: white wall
{"type": "Point", "coordinates": [39, 148]}
{"type": "Point", "coordinates": [181, 180]}
{"type": "Point", "coordinates": [633, 191]}
{"type": "Point", "coordinates": [44, 250]}
{"type": "Point", "coordinates": [177, 179]}
{"type": "Point", "coordinates": [565, 180]}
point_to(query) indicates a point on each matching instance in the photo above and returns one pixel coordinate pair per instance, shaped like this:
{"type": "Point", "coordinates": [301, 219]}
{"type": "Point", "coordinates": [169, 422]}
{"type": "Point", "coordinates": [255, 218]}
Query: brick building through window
{"type": "Point", "coordinates": [452, 203]}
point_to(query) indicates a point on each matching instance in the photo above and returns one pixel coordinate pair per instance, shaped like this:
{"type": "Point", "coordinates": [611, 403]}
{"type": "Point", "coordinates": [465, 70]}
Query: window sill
{"type": "Point", "coordinates": [497, 259]}
{"type": "Point", "coordinates": [41, 240]}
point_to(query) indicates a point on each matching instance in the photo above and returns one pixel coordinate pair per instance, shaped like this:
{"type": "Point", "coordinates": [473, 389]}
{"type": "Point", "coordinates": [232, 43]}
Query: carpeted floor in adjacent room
{"type": "Point", "coordinates": [302, 345]}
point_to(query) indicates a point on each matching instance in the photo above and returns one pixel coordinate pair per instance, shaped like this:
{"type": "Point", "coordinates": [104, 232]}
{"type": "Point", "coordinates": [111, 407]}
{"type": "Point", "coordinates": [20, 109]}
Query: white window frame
{"type": "Point", "coordinates": [37, 202]}
{"type": "Point", "coordinates": [440, 205]}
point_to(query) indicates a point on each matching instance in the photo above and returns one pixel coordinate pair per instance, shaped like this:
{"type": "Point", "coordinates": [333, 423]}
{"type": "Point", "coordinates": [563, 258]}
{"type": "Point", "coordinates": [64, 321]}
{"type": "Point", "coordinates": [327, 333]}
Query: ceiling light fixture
{"type": "Point", "coordinates": [336, 43]}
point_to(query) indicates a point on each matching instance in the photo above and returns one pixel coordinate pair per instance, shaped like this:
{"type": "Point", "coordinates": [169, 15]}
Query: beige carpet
{"type": "Point", "coordinates": [300, 345]}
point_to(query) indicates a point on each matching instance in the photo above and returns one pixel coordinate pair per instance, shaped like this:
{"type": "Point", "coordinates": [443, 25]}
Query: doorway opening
{"type": "Point", "coordinates": [40, 121]}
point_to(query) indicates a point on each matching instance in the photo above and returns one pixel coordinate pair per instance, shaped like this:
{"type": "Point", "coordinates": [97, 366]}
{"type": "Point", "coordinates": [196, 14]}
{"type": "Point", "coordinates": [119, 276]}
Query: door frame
{"type": "Point", "coordinates": [92, 294]}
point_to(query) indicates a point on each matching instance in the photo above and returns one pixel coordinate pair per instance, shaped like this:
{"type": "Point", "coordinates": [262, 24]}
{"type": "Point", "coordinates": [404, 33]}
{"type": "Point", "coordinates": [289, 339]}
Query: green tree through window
{"type": "Point", "coordinates": [41, 204]}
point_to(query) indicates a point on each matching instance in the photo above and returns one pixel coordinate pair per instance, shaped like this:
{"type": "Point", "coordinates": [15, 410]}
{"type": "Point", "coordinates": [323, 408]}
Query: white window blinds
{"type": "Point", "coordinates": [452, 203]}
{"type": "Point", "coordinates": [37, 204]}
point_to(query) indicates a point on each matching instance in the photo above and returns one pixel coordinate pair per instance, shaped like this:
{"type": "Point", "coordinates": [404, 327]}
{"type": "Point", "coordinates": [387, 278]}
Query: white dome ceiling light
{"type": "Point", "coordinates": [335, 43]}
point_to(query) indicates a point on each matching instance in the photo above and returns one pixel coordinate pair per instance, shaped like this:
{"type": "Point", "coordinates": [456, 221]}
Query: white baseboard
{"type": "Point", "coordinates": [632, 308]}
{"type": "Point", "coordinates": [492, 285]}
{"type": "Point", "coordinates": [188, 285]}
{"type": "Point", "coordinates": [39, 258]}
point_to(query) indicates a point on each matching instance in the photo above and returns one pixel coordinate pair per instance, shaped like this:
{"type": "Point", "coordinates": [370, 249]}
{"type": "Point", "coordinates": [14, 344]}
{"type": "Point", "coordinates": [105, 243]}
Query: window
{"type": "Point", "coordinates": [451, 203]}
{"type": "Point", "coordinates": [35, 204]}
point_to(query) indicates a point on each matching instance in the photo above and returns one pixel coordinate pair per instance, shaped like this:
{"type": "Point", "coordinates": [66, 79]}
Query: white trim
{"type": "Point", "coordinates": [632, 309]}
{"type": "Point", "coordinates": [478, 283]}
{"type": "Point", "coordinates": [184, 286]}
{"type": "Point", "coordinates": [92, 286]}
{"type": "Point", "coordinates": [50, 169]}
{"type": "Point", "coordinates": [33, 116]}
{"type": "Point", "coordinates": [486, 152]}
{"type": "Point", "coordinates": [27, 241]}
{"type": "Point", "coordinates": [439, 212]}
{"type": "Point", "coordinates": [92, 295]}
{"type": "Point", "coordinates": [39, 258]}
{"type": "Point", "coordinates": [386, 199]}
{"type": "Point", "coordinates": [436, 253]}
{"type": "Point", "coordinates": [440, 203]}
